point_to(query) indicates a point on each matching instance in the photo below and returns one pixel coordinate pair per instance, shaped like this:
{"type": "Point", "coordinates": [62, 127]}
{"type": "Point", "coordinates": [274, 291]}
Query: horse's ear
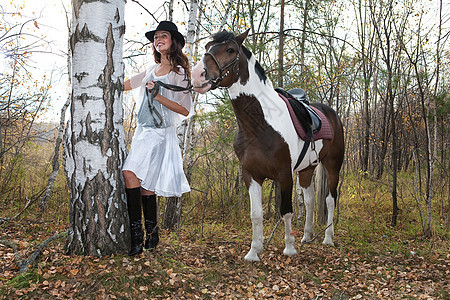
{"type": "Point", "coordinates": [240, 38]}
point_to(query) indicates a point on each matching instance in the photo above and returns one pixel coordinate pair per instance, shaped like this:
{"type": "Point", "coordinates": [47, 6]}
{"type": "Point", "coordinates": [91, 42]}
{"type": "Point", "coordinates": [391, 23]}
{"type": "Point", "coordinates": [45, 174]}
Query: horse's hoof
{"type": "Point", "coordinates": [305, 240]}
{"type": "Point", "coordinates": [289, 251]}
{"type": "Point", "coordinates": [252, 256]}
{"type": "Point", "coordinates": [328, 242]}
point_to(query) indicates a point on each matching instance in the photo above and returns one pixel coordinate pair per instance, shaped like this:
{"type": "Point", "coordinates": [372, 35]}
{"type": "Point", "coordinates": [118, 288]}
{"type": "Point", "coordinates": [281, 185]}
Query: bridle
{"type": "Point", "coordinates": [223, 71]}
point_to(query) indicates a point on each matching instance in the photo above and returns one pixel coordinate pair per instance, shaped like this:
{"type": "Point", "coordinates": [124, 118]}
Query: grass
{"type": "Point", "coordinates": [366, 211]}
{"type": "Point", "coordinates": [23, 280]}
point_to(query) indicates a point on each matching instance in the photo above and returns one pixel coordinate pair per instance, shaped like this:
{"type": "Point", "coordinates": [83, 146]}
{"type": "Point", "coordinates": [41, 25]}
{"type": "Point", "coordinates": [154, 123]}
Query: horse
{"type": "Point", "coordinates": [266, 142]}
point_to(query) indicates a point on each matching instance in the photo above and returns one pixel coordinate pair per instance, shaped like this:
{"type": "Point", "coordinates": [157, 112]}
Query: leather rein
{"type": "Point", "coordinates": [151, 94]}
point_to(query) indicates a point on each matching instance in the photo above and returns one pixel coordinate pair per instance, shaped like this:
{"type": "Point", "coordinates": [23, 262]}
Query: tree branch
{"type": "Point", "coordinates": [24, 264]}
{"type": "Point", "coordinates": [143, 7]}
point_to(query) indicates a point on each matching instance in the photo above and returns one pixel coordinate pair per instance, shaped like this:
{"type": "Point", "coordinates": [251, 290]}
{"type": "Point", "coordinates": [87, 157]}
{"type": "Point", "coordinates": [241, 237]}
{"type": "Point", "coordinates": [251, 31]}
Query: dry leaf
{"type": "Point", "coordinates": [74, 272]}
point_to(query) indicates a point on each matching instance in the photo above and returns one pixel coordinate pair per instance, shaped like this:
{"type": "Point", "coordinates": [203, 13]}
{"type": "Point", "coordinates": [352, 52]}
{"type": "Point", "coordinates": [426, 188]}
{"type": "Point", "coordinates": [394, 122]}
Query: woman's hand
{"type": "Point", "coordinates": [150, 85]}
{"type": "Point", "coordinates": [173, 106]}
{"type": "Point", "coordinates": [153, 89]}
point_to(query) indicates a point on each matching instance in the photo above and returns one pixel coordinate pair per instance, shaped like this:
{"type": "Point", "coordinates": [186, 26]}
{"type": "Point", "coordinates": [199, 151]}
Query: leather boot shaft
{"type": "Point", "coordinates": [135, 216]}
{"type": "Point", "coordinates": [151, 228]}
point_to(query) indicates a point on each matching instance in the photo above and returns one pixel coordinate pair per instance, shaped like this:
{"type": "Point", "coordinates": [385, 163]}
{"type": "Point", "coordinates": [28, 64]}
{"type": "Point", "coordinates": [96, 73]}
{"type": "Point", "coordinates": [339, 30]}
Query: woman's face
{"type": "Point", "coordinates": [162, 41]}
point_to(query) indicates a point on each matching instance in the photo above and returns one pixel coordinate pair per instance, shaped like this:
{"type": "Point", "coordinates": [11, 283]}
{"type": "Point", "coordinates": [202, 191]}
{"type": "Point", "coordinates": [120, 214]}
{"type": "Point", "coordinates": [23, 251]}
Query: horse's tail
{"type": "Point", "coordinates": [321, 187]}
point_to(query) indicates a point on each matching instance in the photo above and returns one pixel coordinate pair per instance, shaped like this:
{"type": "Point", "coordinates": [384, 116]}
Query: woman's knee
{"type": "Point", "coordinates": [147, 192]}
{"type": "Point", "coordinates": [130, 179]}
{"type": "Point", "coordinates": [128, 174]}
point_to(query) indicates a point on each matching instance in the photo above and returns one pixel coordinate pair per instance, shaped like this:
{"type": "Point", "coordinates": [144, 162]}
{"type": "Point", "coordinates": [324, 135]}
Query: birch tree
{"type": "Point", "coordinates": [172, 213]}
{"type": "Point", "coordinates": [94, 142]}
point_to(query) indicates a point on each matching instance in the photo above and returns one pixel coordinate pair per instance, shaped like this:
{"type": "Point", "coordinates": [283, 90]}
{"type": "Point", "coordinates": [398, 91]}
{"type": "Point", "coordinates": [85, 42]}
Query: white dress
{"type": "Point", "coordinates": [155, 155]}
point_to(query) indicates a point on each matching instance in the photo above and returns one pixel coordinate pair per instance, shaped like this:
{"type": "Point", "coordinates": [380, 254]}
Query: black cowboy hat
{"type": "Point", "coordinates": [167, 26]}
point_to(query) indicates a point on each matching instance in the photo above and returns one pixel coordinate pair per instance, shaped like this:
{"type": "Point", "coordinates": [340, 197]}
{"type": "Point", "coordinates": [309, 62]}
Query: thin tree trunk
{"type": "Point", "coordinates": [280, 84]}
{"type": "Point", "coordinates": [395, 208]}
{"type": "Point", "coordinates": [170, 17]}
{"type": "Point", "coordinates": [366, 78]}
{"type": "Point", "coordinates": [281, 47]}
{"type": "Point", "coordinates": [303, 40]}
{"type": "Point", "coordinates": [172, 213]}
{"type": "Point", "coordinates": [55, 160]}
{"type": "Point", "coordinates": [435, 118]}
{"type": "Point", "coordinates": [225, 17]}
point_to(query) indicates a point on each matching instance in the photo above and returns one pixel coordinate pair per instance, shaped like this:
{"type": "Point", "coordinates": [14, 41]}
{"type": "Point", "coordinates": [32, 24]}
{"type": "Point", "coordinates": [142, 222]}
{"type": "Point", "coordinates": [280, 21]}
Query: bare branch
{"type": "Point", "coordinates": [144, 8]}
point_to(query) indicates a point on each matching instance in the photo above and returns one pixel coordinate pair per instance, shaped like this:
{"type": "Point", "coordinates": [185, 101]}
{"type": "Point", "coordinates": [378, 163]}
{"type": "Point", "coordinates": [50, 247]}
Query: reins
{"type": "Point", "coordinates": [172, 87]}
{"type": "Point", "coordinates": [151, 94]}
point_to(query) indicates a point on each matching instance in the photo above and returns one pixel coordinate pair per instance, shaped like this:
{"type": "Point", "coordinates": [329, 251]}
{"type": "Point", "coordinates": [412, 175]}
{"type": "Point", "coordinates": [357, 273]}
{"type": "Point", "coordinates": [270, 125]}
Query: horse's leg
{"type": "Point", "coordinates": [286, 211]}
{"type": "Point", "coordinates": [332, 162]}
{"type": "Point", "coordinates": [329, 232]}
{"type": "Point", "coordinates": [288, 237]}
{"type": "Point", "coordinates": [305, 179]}
{"type": "Point", "coordinates": [309, 220]}
{"type": "Point", "coordinates": [255, 191]}
{"type": "Point", "coordinates": [332, 169]}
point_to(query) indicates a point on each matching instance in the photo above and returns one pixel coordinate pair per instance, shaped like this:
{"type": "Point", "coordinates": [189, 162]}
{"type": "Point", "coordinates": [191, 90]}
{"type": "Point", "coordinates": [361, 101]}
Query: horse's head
{"type": "Point", "coordinates": [221, 63]}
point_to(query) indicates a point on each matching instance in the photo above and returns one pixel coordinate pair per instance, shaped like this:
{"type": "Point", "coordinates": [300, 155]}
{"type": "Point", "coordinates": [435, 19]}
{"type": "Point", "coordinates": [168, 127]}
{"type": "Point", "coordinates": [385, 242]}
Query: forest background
{"type": "Point", "coordinates": [382, 65]}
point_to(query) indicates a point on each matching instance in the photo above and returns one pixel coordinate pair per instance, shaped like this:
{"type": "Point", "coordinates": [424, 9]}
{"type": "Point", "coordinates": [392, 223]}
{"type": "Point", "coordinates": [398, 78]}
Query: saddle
{"type": "Point", "coordinates": [309, 122]}
{"type": "Point", "coordinates": [308, 118]}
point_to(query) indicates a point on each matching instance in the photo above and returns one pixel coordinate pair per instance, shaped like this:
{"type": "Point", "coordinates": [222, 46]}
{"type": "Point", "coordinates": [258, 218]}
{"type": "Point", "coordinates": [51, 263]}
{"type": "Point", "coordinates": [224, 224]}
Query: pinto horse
{"type": "Point", "coordinates": [266, 141]}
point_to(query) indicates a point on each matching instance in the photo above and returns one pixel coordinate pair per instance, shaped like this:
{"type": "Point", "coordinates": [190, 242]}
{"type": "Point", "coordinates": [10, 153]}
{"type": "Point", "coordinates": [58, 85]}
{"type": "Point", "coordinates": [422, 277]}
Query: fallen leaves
{"type": "Point", "coordinates": [190, 269]}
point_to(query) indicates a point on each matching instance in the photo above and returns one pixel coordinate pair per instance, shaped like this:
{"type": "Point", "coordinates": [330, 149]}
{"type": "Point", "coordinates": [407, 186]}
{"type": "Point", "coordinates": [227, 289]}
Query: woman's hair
{"type": "Point", "coordinates": [176, 58]}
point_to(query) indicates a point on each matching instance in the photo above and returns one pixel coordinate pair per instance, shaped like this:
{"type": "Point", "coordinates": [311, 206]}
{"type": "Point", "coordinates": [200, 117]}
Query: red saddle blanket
{"type": "Point", "coordinates": [325, 132]}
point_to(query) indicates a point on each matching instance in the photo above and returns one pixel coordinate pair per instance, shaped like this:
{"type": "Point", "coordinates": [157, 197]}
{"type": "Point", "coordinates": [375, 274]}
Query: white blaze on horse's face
{"type": "Point", "coordinates": [201, 85]}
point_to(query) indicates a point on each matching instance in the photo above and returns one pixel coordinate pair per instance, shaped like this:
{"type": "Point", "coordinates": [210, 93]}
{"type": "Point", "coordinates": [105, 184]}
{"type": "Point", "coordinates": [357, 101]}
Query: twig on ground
{"type": "Point", "coordinates": [10, 244]}
{"type": "Point", "coordinates": [24, 264]}
{"type": "Point", "coordinates": [273, 231]}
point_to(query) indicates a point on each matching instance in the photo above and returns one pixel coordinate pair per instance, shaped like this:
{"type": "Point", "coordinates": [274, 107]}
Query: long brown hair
{"type": "Point", "coordinates": [176, 57]}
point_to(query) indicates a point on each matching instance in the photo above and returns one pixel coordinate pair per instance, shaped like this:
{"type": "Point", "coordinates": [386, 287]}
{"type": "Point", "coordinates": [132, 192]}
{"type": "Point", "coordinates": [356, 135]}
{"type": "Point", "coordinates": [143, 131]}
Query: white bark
{"type": "Point", "coordinates": [173, 208]}
{"type": "Point", "coordinates": [188, 135]}
{"type": "Point", "coordinates": [95, 146]}
{"type": "Point", "coordinates": [192, 22]}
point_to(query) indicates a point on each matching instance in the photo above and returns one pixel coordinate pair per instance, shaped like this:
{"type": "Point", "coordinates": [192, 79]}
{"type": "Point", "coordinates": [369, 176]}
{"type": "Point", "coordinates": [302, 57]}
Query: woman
{"type": "Point", "coordinates": [154, 165]}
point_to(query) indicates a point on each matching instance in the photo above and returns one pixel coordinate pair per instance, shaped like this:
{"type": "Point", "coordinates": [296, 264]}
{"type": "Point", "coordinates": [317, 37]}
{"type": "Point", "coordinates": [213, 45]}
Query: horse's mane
{"type": "Point", "coordinates": [258, 68]}
{"type": "Point", "coordinates": [223, 36]}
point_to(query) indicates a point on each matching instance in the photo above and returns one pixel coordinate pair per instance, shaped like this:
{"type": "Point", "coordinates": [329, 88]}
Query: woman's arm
{"type": "Point", "coordinates": [134, 82]}
{"type": "Point", "coordinates": [127, 85]}
{"type": "Point", "coordinates": [173, 106]}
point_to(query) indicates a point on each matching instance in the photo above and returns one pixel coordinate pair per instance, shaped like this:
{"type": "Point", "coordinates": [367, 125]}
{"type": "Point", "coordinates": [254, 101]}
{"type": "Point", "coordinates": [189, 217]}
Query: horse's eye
{"type": "Point", "coordinates": [230, 50]}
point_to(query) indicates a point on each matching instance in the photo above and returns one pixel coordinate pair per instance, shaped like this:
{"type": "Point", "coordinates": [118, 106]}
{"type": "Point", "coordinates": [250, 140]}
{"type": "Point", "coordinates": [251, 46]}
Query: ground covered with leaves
{"type": "Point", "coordinates": [185, 266]}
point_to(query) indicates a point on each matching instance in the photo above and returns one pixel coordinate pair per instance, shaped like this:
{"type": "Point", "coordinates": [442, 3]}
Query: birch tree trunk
{"type": "Point", "coordinates": [172, 212]}
{"type": "Point", "coordinates": [94, 142]}
{"type": "Point", "coordinates": [170, 15]}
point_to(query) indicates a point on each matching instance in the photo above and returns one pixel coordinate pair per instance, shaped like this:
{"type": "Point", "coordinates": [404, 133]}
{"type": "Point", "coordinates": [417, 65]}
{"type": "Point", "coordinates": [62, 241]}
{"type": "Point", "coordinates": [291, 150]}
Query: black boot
{"type": "Point", "coordinates": [135, 215]}
{"type": "Point", "coordinates": [151, 228]}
